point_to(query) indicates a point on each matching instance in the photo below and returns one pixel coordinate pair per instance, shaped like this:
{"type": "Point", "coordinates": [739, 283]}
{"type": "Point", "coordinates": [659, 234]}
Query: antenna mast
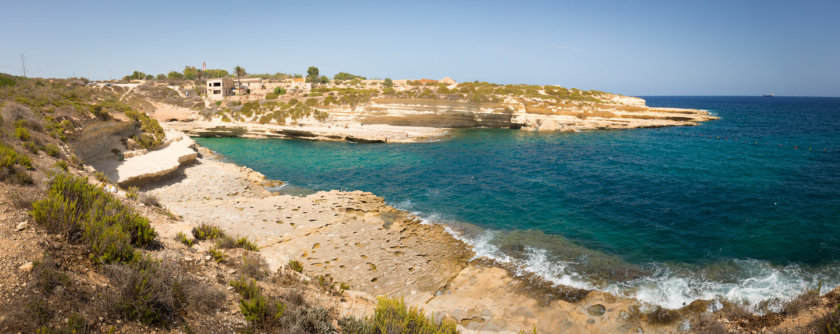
{"type": "Point", "coordinates": [23, 64]}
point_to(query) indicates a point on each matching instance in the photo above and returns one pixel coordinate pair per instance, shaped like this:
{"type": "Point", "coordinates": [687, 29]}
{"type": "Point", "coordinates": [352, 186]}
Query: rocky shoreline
{"type": "Point", "coordinates": [357, 239]}
{"type": "Point", "coordinates": [408, 121]}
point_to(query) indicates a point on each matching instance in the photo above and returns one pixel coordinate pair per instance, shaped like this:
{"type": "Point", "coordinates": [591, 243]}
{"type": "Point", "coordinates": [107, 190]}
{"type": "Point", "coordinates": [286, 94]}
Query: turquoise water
{"type": "Point", "coordinates": [745, 207]}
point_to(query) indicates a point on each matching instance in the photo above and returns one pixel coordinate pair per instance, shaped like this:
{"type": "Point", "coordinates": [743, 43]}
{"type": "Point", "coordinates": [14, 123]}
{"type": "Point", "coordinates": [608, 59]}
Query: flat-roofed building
{"type": "Point", "coordinates": [217, 89]}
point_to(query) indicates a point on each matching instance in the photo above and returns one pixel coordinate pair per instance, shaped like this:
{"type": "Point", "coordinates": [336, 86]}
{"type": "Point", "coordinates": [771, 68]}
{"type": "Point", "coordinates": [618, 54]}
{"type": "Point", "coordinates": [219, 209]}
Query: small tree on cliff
{"type": "Point", "coordinates": [313, 75]}
{"type": "Point", "coordinates": [389, 83]}
{"type": "Point", "coordinates": [240, 72]}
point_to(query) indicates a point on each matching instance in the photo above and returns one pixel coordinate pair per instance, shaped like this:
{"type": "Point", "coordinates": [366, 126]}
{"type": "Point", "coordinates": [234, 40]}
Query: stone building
{"type": "Point", "coordinates": [218, 89]}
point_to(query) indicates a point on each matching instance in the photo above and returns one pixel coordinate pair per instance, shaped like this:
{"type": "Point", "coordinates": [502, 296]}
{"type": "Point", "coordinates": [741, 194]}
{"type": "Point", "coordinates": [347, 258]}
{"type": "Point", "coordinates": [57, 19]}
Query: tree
{"type": "Point", "coordinates": [240, 72]}
{"type": "Point", "coordinates": [190, 72]}
{"type": "Point", "coordinates": [347, 76]}
{"type": "Point", "coordinates": [312, 75]}
{"type": "Point", "coordinates": [324, 79]}
{"type": "Point", "coordinates": [137, 75]}
{"type": "Point", "coordinates": [161, 76]}
{"type": "Point", "coordinates": [175, 75]}
{"type": "Point", "coordinates": [389, 83]}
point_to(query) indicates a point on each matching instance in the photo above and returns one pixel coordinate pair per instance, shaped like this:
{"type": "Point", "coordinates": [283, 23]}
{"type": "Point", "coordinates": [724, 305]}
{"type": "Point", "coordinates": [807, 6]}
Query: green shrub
{"type": "Point", "coordinates": [99, 176]}
{"type": "Point", "coordinates": [207, 232]}
{"type": "Point", "coordinates": [76, 324]}
{"type": "Point", "coordinates": [31, 147]}
{"type": "Point", "coordinates": [108, 243]}
{"type": "Point", "coordinates": [61, 164]}
{"type": "Point", "coordinates": [392, 316]}
{"type": "Point", "coordinates": [153, 134]}
{"type": "Point", "coordinates": [52, 150]}
{"type": "Point", "coordinates": [216, 254]}
{"type": "Point", "coordinates": [271, 96]}
{"type": "Point", "coordinates": [131, 192]}
{"type": "Point", "coordinates": [15, 175]}
{"type": "Point", "coordinates": [247, 287]}
{"type": "Point", "coordinates": [243, 242]}
{"type": "Point", "coordinates": [80, 211]}
{"type": "Point", "coordinates": [182, 238]}
{"type": "Point", "coordinates": [145, 290]}
{"type": "Point", "coordinates": [262, 311]}
{"type": "Point", "coordinates": [21, 132]}
{"type": "Point", "coordinates": [296, 266]}
{"type": "Point", "coordinates": [279, 91]}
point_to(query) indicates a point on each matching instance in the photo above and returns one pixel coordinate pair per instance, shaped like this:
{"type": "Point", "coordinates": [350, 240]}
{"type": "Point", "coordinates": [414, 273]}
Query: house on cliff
{"type": "Point", "coordinates": [217, 89]}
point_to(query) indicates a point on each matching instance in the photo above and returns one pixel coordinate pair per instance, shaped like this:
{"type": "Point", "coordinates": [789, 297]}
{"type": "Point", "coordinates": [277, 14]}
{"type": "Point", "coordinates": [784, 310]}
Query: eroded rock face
{"type": "Point", "coordinates": [99, 138]}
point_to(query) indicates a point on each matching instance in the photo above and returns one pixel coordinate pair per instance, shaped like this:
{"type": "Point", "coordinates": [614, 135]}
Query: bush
{"type": "Point", "coordinates": [52, 150]}
{"type": "Point", "coordinates": [45, 276]}
{"type": "Point", "coordinates": [182, 238]}
{"type": "Point", "coordinates": [31, 147]}
{"type": "Point", "coordinates": [149, 200]}
{"type": "Point", "coordinates": [262, 311]}
{"type": "Point", "coordinates": [216, 254]}
{"type": "Point", "coordinates": [392, 316]}
{"type": "Point", "coordinates": [131, 193]}
{"type": "Point", "coordinates": [80, 211]}
{"type": "Point", "coordinates": [99, 176]}
{"type": "Point", "coordinates": [246, 287]}
{"type": "Point", "coordinates": [207, 232]}
{"type": "Point", "coordinates": [296, 266]}
{"type": "Point", "coordinates": [279, 91]}
{"type": "Point", "coordinates": [9, 157]}
{"type": "Point", "coordinates": [271, 96]}
{"type": "Point", "coordinates": [253, 266]}
{"type": "Point", "coordinates": [76, 324]}
{"type": "Point", "coordinates": [144, 291]}
{"type": "Point", "coordinates": [153, 134]}
{"type": "Point", "coordinates": [21, 132]}
{"type": "Point", "coordinates": [61, 164]}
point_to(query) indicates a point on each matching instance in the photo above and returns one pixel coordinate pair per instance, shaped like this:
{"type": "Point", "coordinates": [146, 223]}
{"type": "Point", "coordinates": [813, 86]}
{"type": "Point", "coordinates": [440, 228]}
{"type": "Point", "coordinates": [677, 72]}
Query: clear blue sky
{"type": "Point", "coordinates": [732, 47]}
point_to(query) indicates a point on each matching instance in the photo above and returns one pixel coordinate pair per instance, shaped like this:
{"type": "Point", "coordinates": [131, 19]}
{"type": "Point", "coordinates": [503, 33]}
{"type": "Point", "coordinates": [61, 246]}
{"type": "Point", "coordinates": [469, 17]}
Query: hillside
{"type": "Point", "coordinates": [181, 242]}
{"type": "Point", "coordinates": [407, 110]}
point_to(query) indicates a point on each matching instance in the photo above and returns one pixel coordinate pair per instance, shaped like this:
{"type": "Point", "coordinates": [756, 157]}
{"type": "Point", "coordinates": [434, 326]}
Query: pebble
{"type": "Point", "coordinates": [21, 226]}
{"type": "Point", "coordinates": [26, 267]}
{"type": "Point", "coordinates": [232, 271]}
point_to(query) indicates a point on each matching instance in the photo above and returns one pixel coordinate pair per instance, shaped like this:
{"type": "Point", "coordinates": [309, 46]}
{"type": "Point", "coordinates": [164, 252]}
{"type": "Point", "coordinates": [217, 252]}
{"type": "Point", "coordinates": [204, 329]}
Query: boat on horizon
{"type": "Point", "coordinates": [768, 95]}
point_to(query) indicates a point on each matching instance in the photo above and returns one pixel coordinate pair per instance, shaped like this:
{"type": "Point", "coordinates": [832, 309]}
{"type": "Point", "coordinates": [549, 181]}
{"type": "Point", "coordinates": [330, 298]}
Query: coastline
{"type": "Point", "coordinates": [421, 121]}
{"type": "Point", "coordinates": [355, 238]}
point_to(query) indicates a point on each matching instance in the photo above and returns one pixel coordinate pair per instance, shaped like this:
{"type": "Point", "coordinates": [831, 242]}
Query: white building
{"type": "Point", "coordinates": [217, 89]}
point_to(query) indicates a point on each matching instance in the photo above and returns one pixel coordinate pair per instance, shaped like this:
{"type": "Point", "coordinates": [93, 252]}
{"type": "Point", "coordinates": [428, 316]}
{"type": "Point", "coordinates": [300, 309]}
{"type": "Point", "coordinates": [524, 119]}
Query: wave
{"type": "Point", "coordinates": [756, 284]}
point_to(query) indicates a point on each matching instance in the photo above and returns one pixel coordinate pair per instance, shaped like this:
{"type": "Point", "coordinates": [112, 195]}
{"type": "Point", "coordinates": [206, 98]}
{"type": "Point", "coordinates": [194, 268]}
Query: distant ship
{"type": "Point", "coordinates": [768, 95]}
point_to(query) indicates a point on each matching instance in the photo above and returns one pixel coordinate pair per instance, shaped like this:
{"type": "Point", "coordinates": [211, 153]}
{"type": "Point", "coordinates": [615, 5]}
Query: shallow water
{"type": "Point", "coordinates": [745, 207]}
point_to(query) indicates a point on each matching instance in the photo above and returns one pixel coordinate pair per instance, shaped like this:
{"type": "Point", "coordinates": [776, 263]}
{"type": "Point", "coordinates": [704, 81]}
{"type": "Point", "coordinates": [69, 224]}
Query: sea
{"type": "Point", "coordinates": [745, 208]}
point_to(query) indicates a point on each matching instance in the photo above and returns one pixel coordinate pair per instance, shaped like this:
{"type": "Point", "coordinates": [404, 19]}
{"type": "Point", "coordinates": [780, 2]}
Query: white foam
{"type": "Point", "coordinates": [761, 281]}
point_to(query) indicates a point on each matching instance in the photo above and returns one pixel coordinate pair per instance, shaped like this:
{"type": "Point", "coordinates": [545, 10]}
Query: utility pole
{"type": "Point", "coordinates": [23, 64]}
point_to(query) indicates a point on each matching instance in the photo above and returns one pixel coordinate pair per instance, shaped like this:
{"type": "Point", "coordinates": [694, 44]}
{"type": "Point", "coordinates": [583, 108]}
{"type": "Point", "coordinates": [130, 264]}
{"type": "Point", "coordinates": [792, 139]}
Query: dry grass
{"type": "Point", "coordinates": [254, 266]}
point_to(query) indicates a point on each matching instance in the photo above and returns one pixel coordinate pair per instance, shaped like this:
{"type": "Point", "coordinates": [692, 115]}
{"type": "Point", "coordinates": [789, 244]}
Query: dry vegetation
{"type": "Point", "coordinates": [92, 261]}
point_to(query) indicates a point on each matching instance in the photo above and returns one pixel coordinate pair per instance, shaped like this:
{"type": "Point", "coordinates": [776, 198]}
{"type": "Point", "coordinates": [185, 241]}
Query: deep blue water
{"type": "Point", "coordinates": [713, 208]}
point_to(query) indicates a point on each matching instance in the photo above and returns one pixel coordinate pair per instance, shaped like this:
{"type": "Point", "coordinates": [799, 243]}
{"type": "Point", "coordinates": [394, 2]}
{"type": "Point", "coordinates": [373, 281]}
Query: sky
{"type": "Point", "coordinates": [640, 48]}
